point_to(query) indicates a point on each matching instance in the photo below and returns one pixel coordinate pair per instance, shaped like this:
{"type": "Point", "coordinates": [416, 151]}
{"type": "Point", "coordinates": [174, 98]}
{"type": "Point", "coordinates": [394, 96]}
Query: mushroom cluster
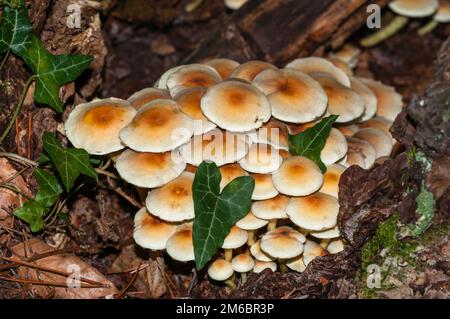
{"type": "Point", "coordinates": [240, 116]}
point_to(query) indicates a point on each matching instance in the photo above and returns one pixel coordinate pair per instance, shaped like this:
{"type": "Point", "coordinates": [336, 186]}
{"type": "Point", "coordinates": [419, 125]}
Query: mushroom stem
{"type": "Point", "coordinates": [283, 268]}
{"type": "Point", "coordinates": [243, 278]}
{"type": "Point", "coordinates": [228, 254]}
{"type": "Point", "coordinates": [272, 225]}
{"type": "Point", "coordinates": [427, 28]}
{"type": "Point", "coordinates": [251, 238]}
{"type": "Point", "coordinates": [393, 27]}
{"type": "Point", "coordinates": [230, 282]}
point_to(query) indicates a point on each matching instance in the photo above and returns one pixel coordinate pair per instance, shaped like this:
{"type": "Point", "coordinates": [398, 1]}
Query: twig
{"type": "Point", "coordinates": [120, 192]}
{"type": "Point", "coordinates": [58, 272]}
{"type": "Point", "coordinates": [46, 283]}
{"type": "Point", "coordinates": [106, 173]}
{"type": "Point", "coordinates": [14, 189]}
{"type": "Point", "coordinates": [124, 291]}
{"type": "Point", "coordinates": [17, 109]}
{"type": "Point", "coordinates": [18, 158]}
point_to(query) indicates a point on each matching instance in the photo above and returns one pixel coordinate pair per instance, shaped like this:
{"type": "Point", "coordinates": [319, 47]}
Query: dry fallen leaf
{"type": "Point", "coordinates": [66, 262]}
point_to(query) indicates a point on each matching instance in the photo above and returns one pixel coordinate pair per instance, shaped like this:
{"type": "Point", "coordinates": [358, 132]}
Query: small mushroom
{"type": "Point", "coordinates": [364, 148]}
{"type": "Point", "coordinates": [326, 234]}
{"type": "Point", "coordinates": [95, 126]}
{"type": "Point", "coordinates": [264, 188]}
{"type": "Point", "coordinates": [147, 95]}
{"type": "Point", "coordinates": [229, 172]}
{"type": "Point", "coordinates": [389, 102]}
{"type": "Point", "coordinates": [381, 142]}
{"type": "Point", "coordinates": [271, 209]}
{"type": "Point", "coordinates": [158, 127]}
{"type": "Point", "coordinates": [190, 76]}
{"type": "Point", "coordinates": [223, 66]}
{"type": "Point", "coordinates": [312, 250]}
{"type": "Point", "coordinates": [380, 123]}
{"type": "Point", "coordinates": [251, 223]}
{"type": "Point", "coordinates": [217, 146]}
{"type": "Point", "coordinates": [343, 66]}
{"type": "Point", "coordinates": [242, 264]}
{"type": "Point", "coordinates": [348, 129]}
{"type": "Point", "coordinates": [296, 264]}
{"type": "Point", "coordinates": [258, 254]}
{"type": "Point", "coordinates": [335, 246]}
{"type": "Point", "coordinates": [294, 96]}
{"type": "Point", "coordinates": [149, 170]}
{"type": "Point", "coordinates": [283, 243]}
{"type": "Point", "coordinates": [331, 178]}
{"type": "Point", "coordinates": [221, 270]}
{"type": "Point", "coordinates": [234, 4]}
{"type": "Point", "coordinates": [441, 16]}
{"type": "Point", "coordinates": [261, 159]}
{"type": "Point", "coordinates": [315, 212]}
{"type": "Point", "coordinates": [189, 103]}
{"type": "Point", "coordinates": [249, 70]}
{"type": "Point", "coordinates": [236, 106]}
{"type": "Point", "coordinates": [348, 54]}
{"type": "Point", "coordinates": [235, 239]}
{"type": "Point", "coordinates": [173, 202]}
{"type": "Point", "coordinates": [315, 65]}
{"type": "Point", "coordinates": [274, 132]}
{"type": "Point", "coordinates": [335, 147]}
{"type": "Point", "coordinates": [297, 176]}
{"type": "Point", "coordinates": [151, 232]}
{"type": "Point", "coordinates": [342, 100]}
{"type": "Point", "coordinates": [180, 246]}
{"type": "Point", "coordinates": [262, 265]}
{"type": "Point", "coordinates": [370, 99]}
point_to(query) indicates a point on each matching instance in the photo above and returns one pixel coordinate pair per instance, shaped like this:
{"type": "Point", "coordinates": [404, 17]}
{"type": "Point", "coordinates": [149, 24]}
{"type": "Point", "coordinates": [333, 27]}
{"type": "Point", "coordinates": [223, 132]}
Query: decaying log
{"type": "Point", "coordinates": [280, 30]}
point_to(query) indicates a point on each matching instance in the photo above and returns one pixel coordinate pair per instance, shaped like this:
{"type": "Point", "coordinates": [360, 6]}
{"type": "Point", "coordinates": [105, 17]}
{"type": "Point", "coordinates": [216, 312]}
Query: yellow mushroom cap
{"type": "Point", "coordinates": [414, 8]}
{"type": "Point", "coordinates": [158, 127]}
{"type": "Point", "coordinates": [342, 100]}
{"type": "Point", "coordinates": [218, 146]}
{"type": "Point", "coordinates": [220, 270]}
{"type": "Point", "coordinates": [251, 222]}
{"type": "Point", "coordinates": [370, 99]}
{"type": "Point", "coordinates": [235, 238]}
{"type": "Point", "coordinates": [381, 142]}
{"type": "Point", "coordinates": [274, 208]}
{"type": "Point", "coordinates": [173, 202]}
{"type": "Point", "coordinates": [348, 129]}
{"type": "Point", "coordinates": [297, 176]}
{"type": "Point", "coordinates": [258, 254]}
{"type": "Point", "coordinates": [95, 126]}
{"type": "Point", "coordinates": [335, 246]}
{"type": "Point", "coordinates": [294, 96]}
{"type": "Point", "coordinates": [264, 188]}
{"type": "Point", "coordinates": [261, 159]}
{"type": "Point", "coordinates": [161, 83]}
{"type": "Point", "coordinates": [180, 245]}
{"type": "Point", "coordinates": [230, 172]}
{"type": "Point", "coordinates": [313, 65]}
{"type": "Point", "coordinates": [389, 102]}
{"type": "Point", "coordinates": [335, 147]}
{"type": "Point", "coordinates": [341, 65]}
{"type": "Point", "coordinates": [377, 122]}
{"type": "Point", "coordinates": [262, 265]}
{"type": "Point", "coordinates": [348, 54]}
{"type": "Point", "coordinates": [235, 106]}
{"type": "Point", "coordinates": [223, 66]}
{"type": "Point", "coordinates": [296, 264]}
{"type": "Point", "coordinates": [443, 13]}
{"type": "Point", "coordinates": [242, 263]}
{"type": "Point", "coordinates": [326, 234]}
{"type": "Point", "coordinates": [283, 242]}
{"type": "Point", "coordinates": [331, 180]}
{"type": "Point", "coordinates": [354, 158]}
{"type": "Point", "coordinates": [190, 76]}
{"type": "Point", "coordinates": [274, 132]}
{"type": "Point", "coordinates": [147, 95]}
{"type": "Point", "coordinates": [364, 148]}
{"type": "Point", "coordinates": [149, 170]}
{"type": "Point", "coordinates": [189, 103]}
{"type": "Point", "coordinates": [249, 70]}
{"type": "Point", "coordinates": [151, 232]}
{"type": "Point", "coordinates": [314, 212]}
{"type": "Point", "coordinates": [312, 250]}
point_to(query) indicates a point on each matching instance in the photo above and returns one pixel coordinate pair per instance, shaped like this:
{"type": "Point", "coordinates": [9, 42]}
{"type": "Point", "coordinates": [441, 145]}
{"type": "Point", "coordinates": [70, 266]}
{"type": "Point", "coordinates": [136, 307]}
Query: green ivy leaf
{"type": "Point", "coordinates": [215, 212]}
{"type": "Point", "coordinates": [49, 187]}
{"type": "Point", "coordinates": [32, 213]}
{"type": "Point", "coordinates": [70, 162]}
{"type": "Point", "coordinates": [311, 141]}
{"type": "Point", "coordinates": [15, 30]}
{"type": "Point", "coordinates": [51, 71]}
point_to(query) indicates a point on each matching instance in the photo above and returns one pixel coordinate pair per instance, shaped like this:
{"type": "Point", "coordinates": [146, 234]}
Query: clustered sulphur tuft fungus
{"type": "Point", "coordinates": [240, 116]}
